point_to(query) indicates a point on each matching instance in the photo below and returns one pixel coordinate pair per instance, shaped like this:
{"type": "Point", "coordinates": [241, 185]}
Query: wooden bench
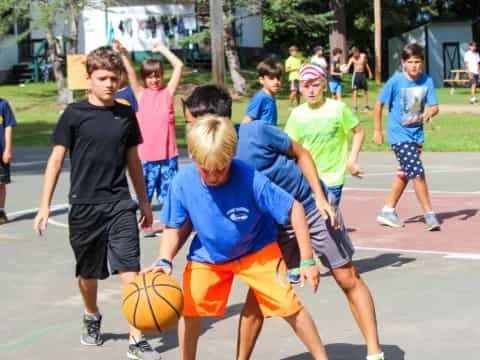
{"type": "Point", "coordinates": [457, 79]}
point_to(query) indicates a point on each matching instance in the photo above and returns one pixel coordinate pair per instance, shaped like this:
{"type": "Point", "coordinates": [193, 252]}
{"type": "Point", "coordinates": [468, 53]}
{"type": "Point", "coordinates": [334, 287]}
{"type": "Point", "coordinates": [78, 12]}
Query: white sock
{"type": "Point", "coordinates": [134, 341]}
{"type": "Point", "coordinates": [376, 356]}
{"type": "Point", "coordinates": [430, 212]}
{"type": "Point", "coordinates": [388, 209]}
{"type": "Point", "coordinates": [96, 315]}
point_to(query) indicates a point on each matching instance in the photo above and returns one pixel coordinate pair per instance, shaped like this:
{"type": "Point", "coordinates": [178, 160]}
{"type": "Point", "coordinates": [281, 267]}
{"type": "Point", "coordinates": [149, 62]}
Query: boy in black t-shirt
{"type": "Point", "coordinates": [101, 136]}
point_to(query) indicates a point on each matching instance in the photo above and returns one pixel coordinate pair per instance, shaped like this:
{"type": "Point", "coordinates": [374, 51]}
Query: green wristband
{"type": "Point", "coordinates": [306, 263]}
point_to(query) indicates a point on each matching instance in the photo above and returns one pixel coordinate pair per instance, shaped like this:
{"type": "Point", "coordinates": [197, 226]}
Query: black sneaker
{"type": "Point", "coordinates": [142, 351]}
{"type": "Point", "coordinates": [91, 335]}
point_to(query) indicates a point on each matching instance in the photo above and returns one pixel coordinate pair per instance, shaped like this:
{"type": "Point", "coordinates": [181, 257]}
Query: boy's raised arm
{"type": "Point", "coordinates": [176, 63]}
{"type": "Point", "coordinates": [131, 74]}
{"type": "Point", "coordinates": [52, 172]}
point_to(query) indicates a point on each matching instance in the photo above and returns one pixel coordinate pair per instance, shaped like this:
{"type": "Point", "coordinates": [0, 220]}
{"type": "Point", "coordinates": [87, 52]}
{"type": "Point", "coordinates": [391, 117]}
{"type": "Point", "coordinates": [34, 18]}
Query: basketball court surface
{"type": "Point", "coordinates": [425, 284]}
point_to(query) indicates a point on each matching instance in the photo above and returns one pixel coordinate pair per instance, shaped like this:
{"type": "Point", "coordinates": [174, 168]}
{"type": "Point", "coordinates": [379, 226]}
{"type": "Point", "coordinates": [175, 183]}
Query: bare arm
{"type": "Point", "coordinates": [129, 68]}
{"type": "Point", "coordinates": [299, 224]}
{"type": "Point", "coordinates": [169, 247]}
{"type": "Point", "coordinates": [370, 75]}
{"type": "Point", "coordinates": [176, 63]}
{"type": "Point", "coordinates": [52, 172]}
{"type": "Point", "coordinates": [7, 152]}
{"type": "Point", "coordinates": [377, 123]}
{"type": "Point", "coordinates": [431, 112]}
{"type": "Point", "coordinates": [309, 170]}
{"type": "Point", "coordinates": [357, 141]}
{"type": "Point", "coordinates": [135, 171]}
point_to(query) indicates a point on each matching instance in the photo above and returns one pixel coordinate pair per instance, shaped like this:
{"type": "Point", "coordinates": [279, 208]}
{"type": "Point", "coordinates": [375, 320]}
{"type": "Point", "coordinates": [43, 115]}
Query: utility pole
{"type": "Point", "coordinates": [378, 41]}
{"type": "Point", "coordinates": [217, 41]}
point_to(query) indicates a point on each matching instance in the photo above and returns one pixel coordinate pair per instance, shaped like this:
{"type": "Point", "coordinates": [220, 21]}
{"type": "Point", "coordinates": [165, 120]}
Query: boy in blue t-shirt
{"type": "Point", "coordinates": [7, 121]}
{"type": "Point", "coordinates": [290, 166]}
{"type": "Point", "coordinates": [234, 210]}
{"type": "Point", "coordinates": [263, 105]}
{"type": "Point", "coordinates": [406, 94]}
{"type": "Point", "coordinates": [125, 94]}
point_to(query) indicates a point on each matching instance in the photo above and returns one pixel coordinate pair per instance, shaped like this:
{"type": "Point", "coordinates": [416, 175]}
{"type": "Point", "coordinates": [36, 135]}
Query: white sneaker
{"type": "Point", "coordinates": [473, 100]}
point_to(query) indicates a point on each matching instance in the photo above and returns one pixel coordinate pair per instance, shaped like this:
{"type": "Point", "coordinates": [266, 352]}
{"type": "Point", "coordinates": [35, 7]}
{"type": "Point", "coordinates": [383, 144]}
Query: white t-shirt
{"type": "Point", "coordinates": [320, 61]}
{"type": "Point", "coordinates": [471, 60]}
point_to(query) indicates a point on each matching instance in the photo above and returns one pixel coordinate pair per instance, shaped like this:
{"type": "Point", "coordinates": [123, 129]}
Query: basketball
{"type": "Point", "coordinates": [153, 302]}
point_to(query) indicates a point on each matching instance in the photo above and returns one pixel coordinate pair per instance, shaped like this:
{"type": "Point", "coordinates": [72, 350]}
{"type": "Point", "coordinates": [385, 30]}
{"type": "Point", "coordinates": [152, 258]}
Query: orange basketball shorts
{"type": "Point", "coordinates": [206, 287]}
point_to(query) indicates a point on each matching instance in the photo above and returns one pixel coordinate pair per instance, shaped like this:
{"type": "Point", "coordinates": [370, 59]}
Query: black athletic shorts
{"type": "Point", "coordinates": [474, 79]}
{"type": "Point", "coordinates": [102, 235]}
{"type": "Point", "coordinates": [359, 81]}
{"type": "Point", "coordinates": [4, 173]}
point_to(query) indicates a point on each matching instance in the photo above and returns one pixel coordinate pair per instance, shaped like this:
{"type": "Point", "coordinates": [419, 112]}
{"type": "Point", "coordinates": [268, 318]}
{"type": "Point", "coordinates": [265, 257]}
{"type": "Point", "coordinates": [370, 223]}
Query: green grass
{"type": "Point", "coordinates": [37, 112]}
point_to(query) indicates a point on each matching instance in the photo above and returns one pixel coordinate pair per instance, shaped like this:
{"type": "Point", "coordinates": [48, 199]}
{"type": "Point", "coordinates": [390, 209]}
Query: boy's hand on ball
{"type": "Point", "coordinates": [312, 275]}
{"type": "Point", "coordinates": [41, 220]}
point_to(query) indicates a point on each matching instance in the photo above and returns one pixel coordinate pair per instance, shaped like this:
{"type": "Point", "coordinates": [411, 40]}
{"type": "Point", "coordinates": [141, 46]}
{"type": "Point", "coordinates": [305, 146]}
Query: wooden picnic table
{"type": "Point", "coordinates": [457, 78]}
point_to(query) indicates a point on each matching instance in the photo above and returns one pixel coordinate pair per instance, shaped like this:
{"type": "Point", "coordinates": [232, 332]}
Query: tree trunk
{"type": "Point", "coordinates": [239, 83]}
{"type": "Point", "coordinates": [338, 33]}
{"type": "Point", "coordinates": [58, 63]}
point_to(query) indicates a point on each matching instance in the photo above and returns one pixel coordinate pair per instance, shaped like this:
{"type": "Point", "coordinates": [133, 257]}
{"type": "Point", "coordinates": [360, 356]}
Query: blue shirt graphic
{"type": "Point", "coordinates": [406, 101]}
{"type": "Point", "coordinates": [127, 97]}
{"type": "Point", "coordinates": [235, 219]}
{"type": "Point", "coordinates": [265, 147]}
{"type": "Point", "coordinates": [6, 119]}
{"type": "Point", "coordinates": [263, 107]}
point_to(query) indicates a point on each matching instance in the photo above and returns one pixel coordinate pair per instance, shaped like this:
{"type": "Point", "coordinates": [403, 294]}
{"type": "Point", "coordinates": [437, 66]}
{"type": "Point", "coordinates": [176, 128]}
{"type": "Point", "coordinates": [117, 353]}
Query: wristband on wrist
{"type": "Point", "coordinates": [164, 263]}
{"type": "Point", "coordinates": [306, 263]}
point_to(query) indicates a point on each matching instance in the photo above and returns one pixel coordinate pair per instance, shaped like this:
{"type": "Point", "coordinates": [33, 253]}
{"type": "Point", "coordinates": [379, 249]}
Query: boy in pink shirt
{"type": "Point", "coordinates": [156, 117]}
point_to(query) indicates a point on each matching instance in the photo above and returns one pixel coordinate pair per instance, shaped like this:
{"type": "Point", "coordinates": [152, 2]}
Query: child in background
{"type": "Point", "coordinates": [322, 126]}
{"type": "Point", "coordinates": [472, 64]}
{"type": "Point", "coordinates": [318, 58]}
{"type": "Point", "coordinates": [156, 117]}
{"type": "Point", "coordinates": [406, 94]}
{"type": "Point", "coordinates": [125, 95]}
{"type": "Point", "coordinates": [292, 67]}
{"type": "Point", "coordinates": [263, 105]}
{"type": "Point", "coordinates": [7, 122]}
{"type": "Point", "coordinates": [335, 76]}
{"type": "Point", "coordinates": [361, 74]}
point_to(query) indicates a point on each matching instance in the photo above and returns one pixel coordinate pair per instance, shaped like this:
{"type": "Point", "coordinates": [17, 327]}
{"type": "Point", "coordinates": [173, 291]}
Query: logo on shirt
{"type": "Point", "coordinates": [239, 214]}
{"type": "Point", "coordinates": [1, 119]}
{"type": "Point", "coordinates": [413, 103]}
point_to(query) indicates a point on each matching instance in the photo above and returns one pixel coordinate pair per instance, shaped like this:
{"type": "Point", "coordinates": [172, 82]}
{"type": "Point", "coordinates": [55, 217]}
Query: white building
{"type": "Point", "coordinates": [445, 43]}
{"type": "Point", "coordinates": [138, 26]}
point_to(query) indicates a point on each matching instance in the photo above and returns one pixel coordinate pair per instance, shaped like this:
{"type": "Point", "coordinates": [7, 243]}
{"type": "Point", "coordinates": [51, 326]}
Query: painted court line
{"type": "Point", "coordinates": [411, 190]}
{"type": "Point", "coordinates": [445, 254]}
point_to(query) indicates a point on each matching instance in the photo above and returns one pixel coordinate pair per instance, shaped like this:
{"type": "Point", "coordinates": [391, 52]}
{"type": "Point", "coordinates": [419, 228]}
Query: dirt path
{"type": "Point", "coordinates": [459, 108]}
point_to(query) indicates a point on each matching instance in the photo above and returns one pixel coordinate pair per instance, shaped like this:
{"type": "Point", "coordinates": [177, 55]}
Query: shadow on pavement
{"type": "Point", "coordinates": [378, 262]}
{"type": "Point", "coordinates": [462, 215]}
{"type": "Point", "coordinates": [348, 352]}
{"type": "Point", "coordinates": [169, 340]}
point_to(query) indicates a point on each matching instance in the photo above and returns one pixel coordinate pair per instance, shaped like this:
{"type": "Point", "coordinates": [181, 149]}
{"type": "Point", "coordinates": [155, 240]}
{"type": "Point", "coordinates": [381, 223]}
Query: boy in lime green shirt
{"type": "Point", "coordinates": [292, 67]}
{"type": "Point", "coordinates": [322, 126]}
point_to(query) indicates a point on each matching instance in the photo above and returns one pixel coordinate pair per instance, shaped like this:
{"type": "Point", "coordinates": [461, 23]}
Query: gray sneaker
{"type": "Point", "coordinates": [389, 218]}
{"type": "Point", "coordinates": [91, 335]}
{"type": "Point", "coordinates": [142, 351]}
{"type": "Point", "coordinates": [432, 222]}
